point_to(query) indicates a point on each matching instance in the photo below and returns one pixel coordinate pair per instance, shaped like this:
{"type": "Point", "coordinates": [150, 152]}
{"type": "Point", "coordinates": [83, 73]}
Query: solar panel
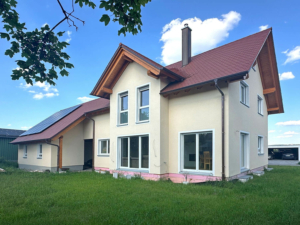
{"type": "Point", "coordinates": [50, 121]}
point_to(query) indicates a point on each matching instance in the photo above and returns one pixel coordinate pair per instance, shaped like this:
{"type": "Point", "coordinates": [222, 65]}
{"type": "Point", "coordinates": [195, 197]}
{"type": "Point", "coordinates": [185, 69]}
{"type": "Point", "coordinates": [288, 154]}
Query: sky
{"type": "Point", "coordinates": [214, 23]}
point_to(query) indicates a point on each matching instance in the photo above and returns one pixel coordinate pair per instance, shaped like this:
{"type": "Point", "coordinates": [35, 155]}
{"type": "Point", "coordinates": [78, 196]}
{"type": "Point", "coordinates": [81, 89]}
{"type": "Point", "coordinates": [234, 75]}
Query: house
{"type": "Point", "coordinates": [9, 151]}
{"type": "Point", "coordinates": [203, 118]}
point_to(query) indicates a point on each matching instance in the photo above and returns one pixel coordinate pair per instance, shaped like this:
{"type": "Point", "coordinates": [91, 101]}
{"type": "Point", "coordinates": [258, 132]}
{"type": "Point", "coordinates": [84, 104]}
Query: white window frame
{"type": "Point", "coordinates": [181, 153]}
{"type": "Point", "coordinates": [138, 107]}
{"type": "Point", "coordinates": [39, 153]}
{"type": "Point", "coordinates": [25, 151]}
{"type": "Point", "coordinates": [260, 144]}
{"type": "Point", "coordinates": [247, 153]}
{"type": "Point", "coordinates": [99, 153]}
{"type": "Point", "coordinates": [120, 95]}
{"type": "Point", "coordinates": [260, 105]}
{"type": "Point", "coordinates": [140, 151]}
{"type": "Point", "coordinates": [246, 86]}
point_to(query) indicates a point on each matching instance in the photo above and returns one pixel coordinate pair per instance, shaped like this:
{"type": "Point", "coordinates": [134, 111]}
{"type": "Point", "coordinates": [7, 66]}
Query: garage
{"type": "Point", "coordinates": [283, 154]}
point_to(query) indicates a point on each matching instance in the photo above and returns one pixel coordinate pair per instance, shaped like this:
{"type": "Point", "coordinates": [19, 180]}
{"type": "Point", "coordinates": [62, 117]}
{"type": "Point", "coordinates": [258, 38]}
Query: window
{"type": "Point", "coordinates": [123, 108]}
{"type": "Point", "coordinates": [259, 105]}
{"type": "Point", "coordinates": [40, 152]}
{"type": "Point", "coordinates": [25, 151]}
{"type": "Point", "coordinates": [260, 147]}
{"type": "Point", "coordinates": [103, 147]}
{"type": "Point", "coordinates": [197, 151]}
{"type": "Point", "coordinates": [134, 152]}
{"type": "Point", "coordinates": [143, 104]}
{"type": "Point", "coordinates": [244, 93]}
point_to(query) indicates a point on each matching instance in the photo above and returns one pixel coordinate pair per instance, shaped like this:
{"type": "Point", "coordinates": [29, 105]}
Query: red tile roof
{"type": "Point", "coordinates": [233, 58]}
{"type": "Point", "coordinates": [59, 126]}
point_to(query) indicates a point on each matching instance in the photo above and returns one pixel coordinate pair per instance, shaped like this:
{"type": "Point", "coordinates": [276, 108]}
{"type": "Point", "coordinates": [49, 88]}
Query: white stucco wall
{"type": "Point", "coordinates": [247, 119]}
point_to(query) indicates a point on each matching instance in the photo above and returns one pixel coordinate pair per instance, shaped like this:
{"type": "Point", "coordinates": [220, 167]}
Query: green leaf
{"type": "Point", "coordinates": [64, 72]}
{"type": "Point", "coordinates": [60, 33]}
{"type": "Point", "coordinates": [69, 65]}
{"type": "Point", "coordinates": [9, 52]}
{"type": "Point", "coordinates": [105, 18]}
{"type": "Point", "coordinates": [5, 35]}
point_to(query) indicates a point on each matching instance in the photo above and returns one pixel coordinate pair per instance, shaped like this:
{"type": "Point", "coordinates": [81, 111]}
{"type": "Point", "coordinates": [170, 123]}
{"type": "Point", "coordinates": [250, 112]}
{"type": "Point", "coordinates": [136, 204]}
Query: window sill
{"type": "Point", "coordinates": [141, 122]}
{"type": "Point", "coordinates": [245, 104]}
{"type": "Point", "coordinates": [260, 114]}
{"type": "Point", "coordinates": [259, 154]}
{"type": "Point", "coordinates": [102, 155]}
{"type": "Point", "coordinates": [39, 157]}
{"type": "Point", "coordinates": [209, 173]}
{"type": "Point", "coordinates": [122, 125]}
{"type": "Point", "coordinates": [133, 170]}
{"type": "Point", "coordinates": [24, 157]}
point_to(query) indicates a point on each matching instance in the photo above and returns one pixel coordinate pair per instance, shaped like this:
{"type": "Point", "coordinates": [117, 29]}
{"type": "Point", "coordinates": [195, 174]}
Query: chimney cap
{"type": "Point", "coordinates": [186, 25]}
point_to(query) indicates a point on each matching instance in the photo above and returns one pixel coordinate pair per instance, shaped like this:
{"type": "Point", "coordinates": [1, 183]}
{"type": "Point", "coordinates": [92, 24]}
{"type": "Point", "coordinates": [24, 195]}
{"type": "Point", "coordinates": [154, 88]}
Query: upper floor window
{"type": "Point", "coordinates": [103, 147]}
{"type": "Point", "coordinates": [25, 151]}
{"type": "Point", "coordinates": [244, 93]}
{"type": "Point", "coordinates": [259, 105]}
{"type": "Point", "coordinates": [260, 145]}
{"type": "Point", "coordinates": [143, 104]}
{"type": "Point", "coordinates": [123, 108]}
{"type": "Point", "coordinates": [40, 152]}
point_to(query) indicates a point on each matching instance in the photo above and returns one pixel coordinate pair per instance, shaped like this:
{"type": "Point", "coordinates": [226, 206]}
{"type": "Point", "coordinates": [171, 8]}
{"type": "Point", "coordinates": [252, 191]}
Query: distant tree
{"type": "Point", "coordinates": [42, 46]}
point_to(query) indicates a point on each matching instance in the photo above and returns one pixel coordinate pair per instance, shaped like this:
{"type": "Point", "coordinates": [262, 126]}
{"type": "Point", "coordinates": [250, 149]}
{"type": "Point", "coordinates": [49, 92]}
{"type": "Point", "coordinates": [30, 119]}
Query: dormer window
{"type": "Point", "coordinates": [143, 104]}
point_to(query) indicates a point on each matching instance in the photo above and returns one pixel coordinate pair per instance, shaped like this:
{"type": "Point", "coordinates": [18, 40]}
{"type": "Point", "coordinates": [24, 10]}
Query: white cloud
{"type": "Point", "coordinates": [25, 128]}
{"type": "Point", "coordinates": [289, 123]}
{"type": "Point", "coordinates": [286, 76]}
{"type": "Point", "coordinates": [290, 132]}
{"type": "Point", "coordinates": [42, 95]}
{"type": "Point", "coordinates": [272, 131]}
{"type": "Point", "coordinates": [264, 27]}
{"type": "Point", "coordinates": [85, 99]}
{"type": "Point", "coordinates": [205, 35]}
{"type": "Point", "coordinates": [69, 35]}
{"type": "Point", "coordinates": [8, 125]}
{"type": "Point", "coordinates": [30, 91]}
{"type": "Point", "coordinates": [284, 136]}
{"type": "Point", "coordinates": [292, 55]}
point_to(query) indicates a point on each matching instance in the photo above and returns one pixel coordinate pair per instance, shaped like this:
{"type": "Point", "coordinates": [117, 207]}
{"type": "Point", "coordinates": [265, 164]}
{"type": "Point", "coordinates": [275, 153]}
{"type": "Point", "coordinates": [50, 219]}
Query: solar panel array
{"type": "Point", "coordinates": [50, 121]}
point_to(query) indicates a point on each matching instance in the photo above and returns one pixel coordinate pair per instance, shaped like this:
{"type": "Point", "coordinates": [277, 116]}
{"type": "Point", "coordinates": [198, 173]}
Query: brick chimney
{"type": "Point", "coordinates": [186, 44]}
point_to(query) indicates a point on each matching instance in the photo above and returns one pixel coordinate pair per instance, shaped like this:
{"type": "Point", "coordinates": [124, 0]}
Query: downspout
{"type": "Point", "coordinates": [223, 129]}
{"type": "Point", "coordinates": [93, 150]}
{"type": "Point", "coordinates": [49, 143]}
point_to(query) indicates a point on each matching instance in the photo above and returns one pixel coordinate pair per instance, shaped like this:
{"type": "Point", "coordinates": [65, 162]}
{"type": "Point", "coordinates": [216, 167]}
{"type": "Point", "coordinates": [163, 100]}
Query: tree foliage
{"type": "Point", "coordinates": [43, 58]}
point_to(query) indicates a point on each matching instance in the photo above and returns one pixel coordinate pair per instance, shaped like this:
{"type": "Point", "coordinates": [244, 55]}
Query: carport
{"type": "Point", "coordinates": [276, 151]}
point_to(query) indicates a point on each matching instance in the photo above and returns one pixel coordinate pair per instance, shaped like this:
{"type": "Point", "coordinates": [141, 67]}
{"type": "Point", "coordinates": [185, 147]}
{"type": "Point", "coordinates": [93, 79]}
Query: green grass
{"type": "Point", "coordinates": [92, 198]}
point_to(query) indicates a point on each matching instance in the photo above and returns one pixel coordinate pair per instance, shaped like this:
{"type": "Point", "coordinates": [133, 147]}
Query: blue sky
{"type": "Point", "coordinates": [92, 46]}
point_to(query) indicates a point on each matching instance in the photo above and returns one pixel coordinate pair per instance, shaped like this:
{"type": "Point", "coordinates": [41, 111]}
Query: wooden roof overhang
{"type": "Point", "coordinates": [119, 62]}
{"type": "Point", "coordinates": [267, 65]}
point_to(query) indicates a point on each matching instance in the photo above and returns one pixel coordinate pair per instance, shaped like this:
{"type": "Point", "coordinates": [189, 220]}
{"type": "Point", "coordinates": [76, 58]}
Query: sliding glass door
{"type": "Point", "coordinates": [244, 153]}
{"type": "Point", "coordinates": [134, 152]}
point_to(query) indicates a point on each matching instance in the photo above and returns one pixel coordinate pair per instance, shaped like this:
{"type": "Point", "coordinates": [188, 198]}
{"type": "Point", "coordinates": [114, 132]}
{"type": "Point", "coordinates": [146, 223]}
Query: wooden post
{"type": "Point", "coordinates": [60, 151]}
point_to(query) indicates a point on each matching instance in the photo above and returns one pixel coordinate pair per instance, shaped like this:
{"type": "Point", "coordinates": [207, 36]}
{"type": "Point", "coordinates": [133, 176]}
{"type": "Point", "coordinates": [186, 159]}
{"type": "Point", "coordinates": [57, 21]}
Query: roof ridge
{"type": "Point", "coordinates": [270, 29]}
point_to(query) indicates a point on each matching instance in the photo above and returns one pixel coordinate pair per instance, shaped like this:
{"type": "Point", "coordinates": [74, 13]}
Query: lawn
{"type": "Point", "coordinates": [92, 198]}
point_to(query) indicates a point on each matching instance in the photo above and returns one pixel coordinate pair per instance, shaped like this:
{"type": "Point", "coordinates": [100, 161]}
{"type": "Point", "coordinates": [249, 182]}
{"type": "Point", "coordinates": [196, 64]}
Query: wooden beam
{"type": "Point", "coordinates": [120, 72]}
{"type": "Point", "coordinates": [68, 128]}
{"type": "Point", "coordinates": [107, 90]}
{"type": "Point", "coordinates": [150, 74]}
{"type": "Point", "coordinates": [127, 58]}
{"type": "Point", "coordinates": [187, 90]}
{"type": "Point", "coordinates": [273, 109]}
{"type": "Point", "coordinates": [269, 91]}
{"type": "Point", "coordinates": [60, 151]}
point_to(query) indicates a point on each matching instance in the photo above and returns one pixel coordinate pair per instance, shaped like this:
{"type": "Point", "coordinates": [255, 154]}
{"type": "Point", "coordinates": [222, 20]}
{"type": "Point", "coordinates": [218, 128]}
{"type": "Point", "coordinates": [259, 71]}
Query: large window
{"type": "Point", "coordinates": [25, 151]}
{"type": "Point", "coordinates": [123, 108]}
{"type": "Point", "coordinates": [260, 147]}
{"type": "Point", "coordinates": [197, 151]}
{"type": "Point", "coordinates": [244, 138]}
{"type": "Point", "coordinates": [244, 93]}
{"type": "Point", "coordinates": [103, 147]}
{"type": "Point", "coordinates": [143, 104]}
{"type": "Point", "coordinates": [40, 151]}
{"type": "Point", "coordinates": [259, 105]}
{"type": "Point", "coordinates": [134, 152]}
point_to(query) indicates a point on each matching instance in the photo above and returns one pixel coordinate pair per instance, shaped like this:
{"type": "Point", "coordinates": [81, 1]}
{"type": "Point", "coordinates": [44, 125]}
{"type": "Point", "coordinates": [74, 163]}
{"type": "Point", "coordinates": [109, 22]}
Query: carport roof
{"type": "Point", "coordinates": [66, 122]}
{"type": "Point", "coordinates": [10, 133]}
